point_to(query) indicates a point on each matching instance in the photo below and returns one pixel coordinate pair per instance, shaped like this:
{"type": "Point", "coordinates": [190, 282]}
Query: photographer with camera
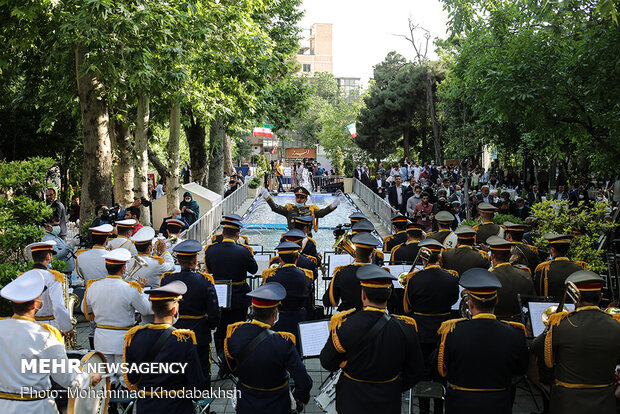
{"type": "Point", "coordinates": [232, 185]}
{"type": "Point", "coordinates": [423, 212]}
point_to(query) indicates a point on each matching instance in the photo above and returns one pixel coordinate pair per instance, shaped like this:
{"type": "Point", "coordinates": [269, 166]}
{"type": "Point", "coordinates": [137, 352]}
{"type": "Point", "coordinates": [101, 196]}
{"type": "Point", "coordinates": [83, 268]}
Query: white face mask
{"type": "Point", "coordinates": [175, 318]}
{"type": "Point", "coordinates": [277, 318]}
{"type": "Point", "coordinates": [56, 230]}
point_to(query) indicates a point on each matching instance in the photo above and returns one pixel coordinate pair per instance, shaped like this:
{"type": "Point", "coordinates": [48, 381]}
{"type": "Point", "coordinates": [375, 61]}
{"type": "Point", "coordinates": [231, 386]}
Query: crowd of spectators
{"type": "Point", "coordinates": [420, 190]}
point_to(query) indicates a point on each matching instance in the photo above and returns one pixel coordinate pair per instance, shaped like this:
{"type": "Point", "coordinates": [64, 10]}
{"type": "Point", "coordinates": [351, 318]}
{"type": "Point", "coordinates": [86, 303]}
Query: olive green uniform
{"type": "Point", "coordinates": [550, 275]}
{"type": "Point", "coordinates": [463, 258]}
{"type": "Point", "coordinates": [514, 281]}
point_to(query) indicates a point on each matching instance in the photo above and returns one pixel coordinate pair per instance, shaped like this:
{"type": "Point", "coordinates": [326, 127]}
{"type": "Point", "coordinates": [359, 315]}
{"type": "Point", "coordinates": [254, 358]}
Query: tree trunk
{"type": "Point", "coordinates": [196, 140]}
{"type": "Point", "coordinates": [122, 168]}
{"type": "Point", "coordinates": [227, 149]}
{"type": "Point", "coordinates": [161, 168]}
{"type": "Point", "coordinates": [172, 175]}
{"type": "Point", "coordinates": [406, 142]}
{"type": "Point", "coordinates": [97, 164]}
{"type": "Point", "coordinates": [216, 164]}
{"type": "Point", "coordinates": [430, 100]}
{"type": "Point", "coordinates": [141, 143]}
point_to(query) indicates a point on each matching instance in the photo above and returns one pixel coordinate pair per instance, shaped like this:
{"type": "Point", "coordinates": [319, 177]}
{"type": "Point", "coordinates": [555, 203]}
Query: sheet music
{"type": "Point", "coordinates": [222, 294]}
{"type": "Point", "coordinates": [256, 248]}
{"type": "Point", "coordinates": [536, 311]}
{"type": "Point", "coordinates": [262, 260]}
{"type": "Point", "coordinates": [455, 307]}
{"type": "Point", "coordinates": [313, 336]}
{"type": "Point", "coordinates": [339, 260]}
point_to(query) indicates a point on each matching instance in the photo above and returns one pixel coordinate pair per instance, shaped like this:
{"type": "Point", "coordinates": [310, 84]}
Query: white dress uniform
{"type": "Point", "coordinates": [90, 263]}
{"type": "Point", "coordinates": [122, 242]}
{"type": "Point", "coordinates": [24, 339]}
{"type": "Point", "coordinates": [112, 303]}
{"type": "Point", "coordinates": [155, 266]}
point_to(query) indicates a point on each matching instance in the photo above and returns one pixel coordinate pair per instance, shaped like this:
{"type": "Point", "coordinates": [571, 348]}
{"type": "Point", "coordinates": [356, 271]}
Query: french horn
{"type": "Point", "coordinates": [572, 292]}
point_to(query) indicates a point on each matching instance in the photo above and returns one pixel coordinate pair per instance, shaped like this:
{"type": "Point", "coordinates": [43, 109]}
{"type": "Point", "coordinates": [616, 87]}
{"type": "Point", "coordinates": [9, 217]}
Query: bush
{"type": "Point", "coordinates": [8, 272]}
{"type": "Point", "coordinates": [558, 217]}
{"type": "Point", "coordinates": [255, 183]}
{"type": "Point", "coordinates": [502, 218]}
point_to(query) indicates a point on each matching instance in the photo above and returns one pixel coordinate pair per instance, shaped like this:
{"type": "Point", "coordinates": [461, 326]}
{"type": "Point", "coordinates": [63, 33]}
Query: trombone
{"type": "Point", "coordinates": [137, 265]}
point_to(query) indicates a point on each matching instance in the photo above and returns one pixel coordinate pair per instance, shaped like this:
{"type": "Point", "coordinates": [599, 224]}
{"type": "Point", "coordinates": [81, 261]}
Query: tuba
{"type": "Point", "coordinates": [344, 244]}
{"type": "Point", "coordinates": [71, 302]}
{"type": "Point", "coordinates": [573, 294]}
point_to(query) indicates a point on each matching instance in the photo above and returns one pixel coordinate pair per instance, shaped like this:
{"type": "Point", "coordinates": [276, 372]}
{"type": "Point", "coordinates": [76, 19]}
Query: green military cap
{"type": "Point", "coordinates": [515, 227]}
{"type": "Point", "coordinates": [586, 281]}
{"type": "Point", "coordinates": [362, 225]}
{"type": "Point", "coordinates": [465, 232]}
{"type": "Point", "coordinates": [480, 284]}
{"type": "Point", "coordinates": [487, 208]}
{"type": "Point", "coordinates": [356, 216]}
{"type": "Point", "coordinates": [364, 241]}
{"type": "Point", "coordinates": [301, 191]}
{"type": "Point", "coordinates": [431, 244]}
{"type": "Point", "coordinates": [444, 217]}
{"type": "Point", "coordinates": [499, 244]}
{"type": "Point", "coordinates": [554, 238]}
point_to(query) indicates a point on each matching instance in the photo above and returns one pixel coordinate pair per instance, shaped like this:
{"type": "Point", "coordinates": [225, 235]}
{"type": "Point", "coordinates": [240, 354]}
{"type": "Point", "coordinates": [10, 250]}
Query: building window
{"type": "Point", "coordinates": [307, 67]}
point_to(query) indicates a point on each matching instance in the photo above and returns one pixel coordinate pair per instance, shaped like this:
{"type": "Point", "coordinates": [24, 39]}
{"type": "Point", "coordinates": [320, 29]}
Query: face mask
{"type": "Point", "coordinates": [37, 305]}
{"type": "Point", "coordinates": [277, 318]}
{"type": "Point", "coordinates": [175, 318]}
{"type": "Point", "coordinates": [459, 192]}
{"type": "Point", "coordinates": [187, 200]}
{"type": "Point", "coordinates": [299, 204]}
{"type": "Point", "coordinates": [581, 196]}
{"type": "Point", "coordinates": [417, 196]}
{"type": "Point", "coordinates": [178, 217]}
{"type": "Point", "coordinates": [56, 230]}
{"type": "Point", "coordinates": [599, 198]}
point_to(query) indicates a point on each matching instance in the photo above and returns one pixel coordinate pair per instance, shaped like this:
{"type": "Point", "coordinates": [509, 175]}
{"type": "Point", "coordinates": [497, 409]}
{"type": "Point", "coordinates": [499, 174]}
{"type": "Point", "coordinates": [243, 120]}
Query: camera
{"type": "Point", "coordinates": [145, 202]}
{"type": "Point", "coordinates": [340, 230]}
{"type": "Point", "coordinates": [110, 214]}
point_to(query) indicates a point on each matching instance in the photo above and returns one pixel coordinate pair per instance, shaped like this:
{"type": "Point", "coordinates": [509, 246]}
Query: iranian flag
{"type": "Point", "coordinates": [263, 131]}
{"type": "Point", "coordinates": [352, 131]}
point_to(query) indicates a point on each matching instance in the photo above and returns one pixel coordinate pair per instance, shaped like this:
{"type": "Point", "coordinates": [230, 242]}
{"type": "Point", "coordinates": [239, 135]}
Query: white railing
{"type": "Point", "coordinates": [205, 226]}
{"type": "Point", "coordinates": [376, 204]}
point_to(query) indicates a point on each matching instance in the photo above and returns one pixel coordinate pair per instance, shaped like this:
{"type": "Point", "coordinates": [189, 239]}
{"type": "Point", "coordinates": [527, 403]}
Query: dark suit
{"type": "Point", "coordinates": [533, 198]}
{"type": "Point", "coordinates": [365, 179]}
{"type": "Point", "coordinates": [378, 190]}
{"type": "Point", "coordinates": [393, 199]}
{"type": "Point", "coordinates": [163, 229]}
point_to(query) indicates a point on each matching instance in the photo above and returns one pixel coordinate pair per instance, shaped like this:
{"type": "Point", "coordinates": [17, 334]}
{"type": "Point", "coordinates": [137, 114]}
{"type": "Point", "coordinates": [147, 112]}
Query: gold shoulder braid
{"type": "Point", "coordinates": [55, 332]}
{"type": "Point", "coordinates": [209, 277]}
{"type": "Point", "coordinates": [554, 320]}
{"type": "Point", "coordinates": [517, 325]}
{"type": "Point", "coordinates": [408, 320]}
{"type": "Point", "coordinates": [288, 336]}
{"type": "Point", "coordinates": [445, 328]}
{"type": "Point", "coordinates": [543, 268]}
{"type": "Point", "coordinates": [128, 338]}
{"type": "Point", "coordinates": [184, 334]}
{"type": "Point", "coordinates": [135, 285]}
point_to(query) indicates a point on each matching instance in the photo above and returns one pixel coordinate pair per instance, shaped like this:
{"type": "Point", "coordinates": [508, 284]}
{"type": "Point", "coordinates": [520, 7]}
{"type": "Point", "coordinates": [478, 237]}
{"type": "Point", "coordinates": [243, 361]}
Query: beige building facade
{"type": "Point", "coordinates": [317, 56]}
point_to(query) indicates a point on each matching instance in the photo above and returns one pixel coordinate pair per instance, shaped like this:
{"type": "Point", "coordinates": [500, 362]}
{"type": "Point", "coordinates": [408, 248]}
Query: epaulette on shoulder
{"type": "Point", "coordinates": [309, 273]}
{"type": "Point", "coordinates": [339, 268]}
{"type": "Point", "coordinates": [476, 227]}
{"type": "Point", "coordinates": [282, 235]}
{"type": "Point", "coordinates": [91, 281]}
{"type": "Point", "coordinates": [208, 277]}
{"type": "Point", "coordinates": [164, 275]}
{"type": "Point", "coordinates": [60, 277]}
{"type": "Point", "coordinates": [54, 332]}
{"type": "Point", "coordinates": [209, 245]}
{"type": "Point", "coordinates": [80, 251]}
{"type": "Point", "coordinates": [338, 318]}
{"type": "Point", "coordinates": [394, 250]}
{"type": "Point", "coordinates": [213, 238]}
{"type": "Point", "coordinates": [517, 325]}
{"type": "Point", "coordinates": [523, 267]}
{"type": "Point", "coordinates": [184, 334]}
{"type": "Point", "coordinates": [160, 260]}
{"type": "Point", "coordinates": [230, 329]}
{"type": "Point", "coordinates": [288, 336]}
{"type": "Point", "coordinates": [484, 254]}
{"type": "Point", "coordinates": [309, 257]}
{"type": "Point", "coordinates": [412, 274]}
{"type": "Point", "coordinates": [273, 260]}
{"type": "Point", "coordinates": [543, 266]}
{"type": "Point", "coordinates": [248, 247]}
{"type": "Point", "coordinates": [556, 318]}
{"type": "Point", "coordinates": [428, 235]}
{"type": "Point", "coordinates": [452, 272]}
{"type": "Point", "coordinates": [616, 316]}
{"type": "Point", "coordinates": [448, 326]}
{"type": "Point", "coordinates": [312, 240]}
{"type": "Point", "coordinates": [135, 285]}
{"type": "Point", "coordinates": [533, 248]}
{"type": "Point", "coordinates": [583, 265]}
{"type": "Point", "coordinates": [387, 238]}
{"type": "Point", "coordinates": [379, 254]}
{"type": "Point", "coordinates": [289, 206]}
{"type": "Point", "coordinates": [267, 273]}
{"type": "Point", "coordinates": [131, 333]}
{"type": "Point", "coordinates": [408, 320]}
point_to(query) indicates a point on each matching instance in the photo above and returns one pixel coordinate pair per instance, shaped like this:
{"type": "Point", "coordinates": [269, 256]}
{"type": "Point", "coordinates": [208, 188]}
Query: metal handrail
{"type": "Point", "coordinates": [376, 204]}
{"type": "Point", "coordinates": [205, 226]}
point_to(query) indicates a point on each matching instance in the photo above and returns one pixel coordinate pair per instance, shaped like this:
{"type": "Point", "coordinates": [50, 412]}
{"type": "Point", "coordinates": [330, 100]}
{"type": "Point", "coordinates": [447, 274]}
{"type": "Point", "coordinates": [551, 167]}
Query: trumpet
{"type": "Point", "coordinates": [137, 265]}
{"type": "Point", "coordinates": [612, 310]}
{"type": "Point", "coordinates": [574, 295]}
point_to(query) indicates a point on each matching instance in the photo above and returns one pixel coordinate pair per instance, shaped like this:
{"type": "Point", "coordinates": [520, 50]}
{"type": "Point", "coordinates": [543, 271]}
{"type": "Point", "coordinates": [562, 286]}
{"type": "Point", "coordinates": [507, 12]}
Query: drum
{"type": "Point", "coordinates": [450, 241]}
{"type": "Point", "coordinates": [326, 400]}
{"type": "Point", "coordinates": [97, 397]}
